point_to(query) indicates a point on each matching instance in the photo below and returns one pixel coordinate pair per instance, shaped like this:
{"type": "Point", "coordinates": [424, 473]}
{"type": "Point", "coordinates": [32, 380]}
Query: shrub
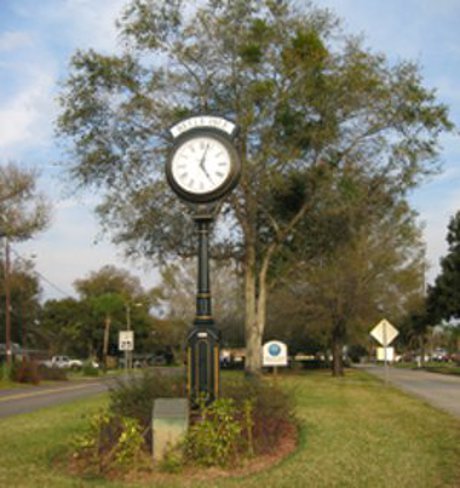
{"type": "Point", "coordinates": [109, 441]}
{"type": "Point", "coordinates": [25, 372]}
{"type": "Point", "coordinates": [129, 443]}
{"type": "Point", "coordinates": [52, 374]}
{"type": "Point", "coordinates": [5, 372]}
{"type": "Point", "coordinates": [89, 370]}
{"type": "Point", "coordinates": [215, 438]}
{"type": "Point", "coordinates": [173, 460]}
{"type": "Point", "coordinates": [134, 397]}
{"type": "Point", "coordinates": [250, 418]}
{"type": "Point", "coordinates": [271, 408]}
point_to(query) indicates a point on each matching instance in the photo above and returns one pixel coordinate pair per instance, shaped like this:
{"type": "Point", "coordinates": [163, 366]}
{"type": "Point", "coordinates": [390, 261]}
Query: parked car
{"type": "Point", "coordinates": [64, 362]}
{"type": "Point", "coordinates": [440, 355]}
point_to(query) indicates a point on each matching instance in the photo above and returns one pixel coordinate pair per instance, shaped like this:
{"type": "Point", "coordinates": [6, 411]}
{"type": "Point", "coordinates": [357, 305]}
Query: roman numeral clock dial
{"type": "Point", "coordinates": [203, 166]}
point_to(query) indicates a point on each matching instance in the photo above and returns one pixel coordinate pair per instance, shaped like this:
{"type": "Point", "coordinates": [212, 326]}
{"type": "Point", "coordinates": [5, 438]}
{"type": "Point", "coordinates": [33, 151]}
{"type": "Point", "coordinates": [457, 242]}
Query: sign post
{"type": "Point", "coordinates": [274, 353]}
{"type": "Point", "coordinates": [385, 333]}
{"type": "Point", "coordinates": [126, 344]}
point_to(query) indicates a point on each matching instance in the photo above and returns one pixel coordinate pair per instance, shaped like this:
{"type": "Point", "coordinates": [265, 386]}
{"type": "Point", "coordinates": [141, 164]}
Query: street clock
{"type": "Point", "coordinates": [204, 165]}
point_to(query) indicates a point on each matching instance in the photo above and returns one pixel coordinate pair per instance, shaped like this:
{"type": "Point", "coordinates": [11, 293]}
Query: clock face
{"type": "Point", "coordinates": [201, 164]}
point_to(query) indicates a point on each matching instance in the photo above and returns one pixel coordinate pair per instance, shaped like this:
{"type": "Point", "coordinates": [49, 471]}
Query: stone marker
{"type": "Point", "coordinates": [169, 424]}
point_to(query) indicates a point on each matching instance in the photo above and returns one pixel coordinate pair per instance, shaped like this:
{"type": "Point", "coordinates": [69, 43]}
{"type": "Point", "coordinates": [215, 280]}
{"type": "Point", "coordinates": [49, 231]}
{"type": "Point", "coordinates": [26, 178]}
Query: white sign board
{"type": "Point", "coordinates": [384, 333]}
{"type": "Point", "coordinates": [126, 340]}
{"type": "Point", "coordinates": [203, 121]}
{"type": "Point", "coordinates": [274, 353]}
{"type": "Point", "coordinates": [389, 356]}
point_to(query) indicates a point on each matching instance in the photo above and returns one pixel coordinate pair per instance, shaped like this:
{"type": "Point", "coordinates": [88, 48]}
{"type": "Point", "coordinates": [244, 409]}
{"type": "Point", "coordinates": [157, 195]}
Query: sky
{"type": "Point", "coordinates": [37, 40]}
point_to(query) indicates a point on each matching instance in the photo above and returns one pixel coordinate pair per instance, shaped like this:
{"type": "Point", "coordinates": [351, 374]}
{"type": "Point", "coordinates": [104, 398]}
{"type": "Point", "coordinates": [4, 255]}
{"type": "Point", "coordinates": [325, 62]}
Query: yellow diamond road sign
{"type": "Point", "coordinates": [384, 333]}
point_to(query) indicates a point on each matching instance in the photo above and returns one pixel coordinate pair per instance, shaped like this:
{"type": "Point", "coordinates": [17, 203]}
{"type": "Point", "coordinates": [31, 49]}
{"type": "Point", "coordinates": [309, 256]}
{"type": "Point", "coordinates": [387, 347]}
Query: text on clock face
{"type": "Point", "coordinates": [201, 165]}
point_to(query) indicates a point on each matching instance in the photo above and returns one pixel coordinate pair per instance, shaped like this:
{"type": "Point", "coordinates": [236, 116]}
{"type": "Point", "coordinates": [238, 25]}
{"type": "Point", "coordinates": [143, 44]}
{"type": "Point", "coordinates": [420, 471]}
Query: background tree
{"type": "Point", "coordinates": [444, 295]}
{"type": "Point", "coordinates": [24, 211]}
{"type": "Point", "coordinates": [25, 291]}
{"type": "Point", "coordinates": [369, 268]}
{"type": "Point", "coordinates": [442, 305]}
{"type": "Point", "coordinates": [307, 99]}
{"type": "Point", "coordinates": [110, 294]}
{"type": "Point", "coordinates": [66, 328]}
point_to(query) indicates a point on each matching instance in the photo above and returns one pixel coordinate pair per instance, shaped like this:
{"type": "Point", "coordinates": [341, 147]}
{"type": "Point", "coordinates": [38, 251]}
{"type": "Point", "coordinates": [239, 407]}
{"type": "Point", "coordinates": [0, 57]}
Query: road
{"type": "Point", "coordinates": [28, 399]}
{"type": "Point", "coordinates": [441, 391]}
{"type": "Point", "coordinates": [24, 400]}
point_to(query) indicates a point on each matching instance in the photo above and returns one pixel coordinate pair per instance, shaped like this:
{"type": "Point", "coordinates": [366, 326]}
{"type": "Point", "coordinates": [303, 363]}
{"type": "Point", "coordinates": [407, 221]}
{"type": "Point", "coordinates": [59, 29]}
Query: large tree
{"type": "Point", "coordinates": [444, 295]}
{"type": "Point", "coordinates": [66, 328]}
{"type": "Point", "coordinates": [113, 295]}
{"type": "Point", "coordinates": [24, 211]}
{"type": "Point", "coordinates": [307, 98]}
{"type": "Point", "coordinates": [368, 266]}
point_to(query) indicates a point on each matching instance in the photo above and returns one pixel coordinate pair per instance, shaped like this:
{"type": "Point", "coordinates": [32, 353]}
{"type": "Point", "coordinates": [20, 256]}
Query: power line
{"type": "Point", "coordinates": [43, 277]}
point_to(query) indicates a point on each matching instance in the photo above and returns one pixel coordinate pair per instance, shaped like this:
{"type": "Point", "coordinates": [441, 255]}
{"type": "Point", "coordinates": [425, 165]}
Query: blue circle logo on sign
{"type": "Point", "coordinates": [274, 350]}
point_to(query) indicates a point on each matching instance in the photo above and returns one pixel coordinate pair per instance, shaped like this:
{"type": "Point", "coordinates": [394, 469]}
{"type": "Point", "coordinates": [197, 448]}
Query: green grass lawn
{"type": "Point", "coordinates": [433, 367]}
{"type": "Point", "coordinates": [355, 433]}
{"type": "Point", "coordinates": [444, 368]}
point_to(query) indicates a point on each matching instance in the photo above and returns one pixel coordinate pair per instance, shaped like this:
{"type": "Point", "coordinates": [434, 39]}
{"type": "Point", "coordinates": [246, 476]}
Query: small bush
{"type": "Point", "coordinates": [109, 441]}
{"type": "Point", "coordinates": [173, 460]}
{"type": "Point", "coordinates": [52, 374]}
{"type": "Point", "coordinates": [89, 370]}
{"type": "Point", "coordinates": [215, 438]}
{"type": "Point", "coordinates": [5, 372]}
{"type": "Point", "coordinates": [134, 397]}
{"type": "Point", "coordinates": [272, 410]}
{"type": "Point", "coordinates": [25, 372]}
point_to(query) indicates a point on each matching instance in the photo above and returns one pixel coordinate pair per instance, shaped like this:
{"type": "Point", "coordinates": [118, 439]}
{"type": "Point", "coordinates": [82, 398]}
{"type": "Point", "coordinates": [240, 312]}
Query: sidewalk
{"type": "Point", "coordinates": [441, 391]}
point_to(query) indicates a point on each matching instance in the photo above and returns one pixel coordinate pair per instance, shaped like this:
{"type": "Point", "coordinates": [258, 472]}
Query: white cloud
{"type": "Point", "coordinates": [25, 120]}
{"type": "Point", "coordinates": [13, 40]}
{"type": "Point", "coordinates": [28, 114]}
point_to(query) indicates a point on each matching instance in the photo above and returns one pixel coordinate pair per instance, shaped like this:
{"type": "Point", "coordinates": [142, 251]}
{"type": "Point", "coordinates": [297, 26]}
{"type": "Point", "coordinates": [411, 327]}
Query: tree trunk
{"type": "Point", "coordinates": [253, 335]}
{"type": "Point", "coordinates": [90, 349]}
{"type": "Point", "coordinates": [422, 351]}
{"type": "Point", "coordinates": [256, 297]}
{"type": "Point", "coordinates": [105, 347]}
{"type": "Point", "coordinates": [338, 336]}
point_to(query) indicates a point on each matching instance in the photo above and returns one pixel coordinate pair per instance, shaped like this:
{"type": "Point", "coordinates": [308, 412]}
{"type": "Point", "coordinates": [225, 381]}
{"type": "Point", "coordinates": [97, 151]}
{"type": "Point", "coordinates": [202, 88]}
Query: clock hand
{"type": "Point", "coordinates": [202, 165]}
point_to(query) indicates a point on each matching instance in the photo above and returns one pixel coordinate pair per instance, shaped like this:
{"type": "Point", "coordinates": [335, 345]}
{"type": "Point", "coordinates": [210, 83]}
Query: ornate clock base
{"type": "Point", "coordinates": [203, 368]}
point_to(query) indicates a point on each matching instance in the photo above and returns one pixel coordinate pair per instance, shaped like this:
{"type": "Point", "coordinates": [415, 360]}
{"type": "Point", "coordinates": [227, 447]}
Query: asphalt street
{"type": "Point", "coordinates": [441, 391]}
{"type": "Point", "coordinates": [24, 400]}
{"type": "Point", "coordinates": [15, 401]}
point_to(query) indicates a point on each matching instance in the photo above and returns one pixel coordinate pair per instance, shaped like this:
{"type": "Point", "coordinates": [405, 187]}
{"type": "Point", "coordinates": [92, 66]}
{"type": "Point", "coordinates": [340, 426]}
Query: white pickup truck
{"type": "Point", "coordinates": [63, 362]}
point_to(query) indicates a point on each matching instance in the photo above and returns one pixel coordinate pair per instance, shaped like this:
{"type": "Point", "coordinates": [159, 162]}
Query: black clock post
{"type": "Point", "coordinates": [203, 168]}
{"type": "Point", "coordinates": [203, 348]}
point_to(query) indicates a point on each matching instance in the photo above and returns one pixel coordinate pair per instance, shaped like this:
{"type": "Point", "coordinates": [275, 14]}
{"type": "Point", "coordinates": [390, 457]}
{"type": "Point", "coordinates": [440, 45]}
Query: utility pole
{"type": "Point", "coordinates": [9, 355]}
{"type": "Point", "coordinates": [128, 357]}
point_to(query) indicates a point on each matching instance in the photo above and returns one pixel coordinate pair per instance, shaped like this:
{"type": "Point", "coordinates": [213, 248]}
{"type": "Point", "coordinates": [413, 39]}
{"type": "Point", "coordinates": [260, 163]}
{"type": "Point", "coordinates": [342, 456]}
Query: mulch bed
{"type": "Point", "coordinates": [146, 473]}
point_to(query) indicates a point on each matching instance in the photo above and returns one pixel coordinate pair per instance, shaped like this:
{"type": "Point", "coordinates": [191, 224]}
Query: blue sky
{"type": "Point", "coordinates": [38, 38]}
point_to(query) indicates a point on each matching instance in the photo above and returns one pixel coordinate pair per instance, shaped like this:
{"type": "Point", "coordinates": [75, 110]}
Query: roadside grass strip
{"type": "Point", "coordinates": [355, 433]}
